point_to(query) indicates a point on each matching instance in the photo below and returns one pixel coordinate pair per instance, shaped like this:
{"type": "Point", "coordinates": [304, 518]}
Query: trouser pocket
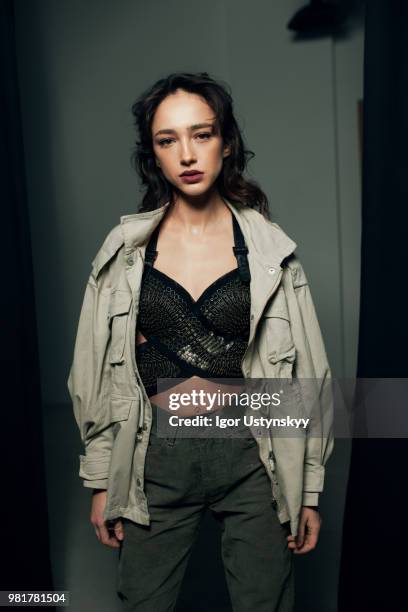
{"type": "Point", "coordinates": [162, 434]}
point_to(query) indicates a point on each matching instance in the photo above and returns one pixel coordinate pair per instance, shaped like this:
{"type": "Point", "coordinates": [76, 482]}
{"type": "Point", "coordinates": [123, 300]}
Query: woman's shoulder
{"type": "Point", "coordinates": [131, 230]}
{"type": "Point", "coordinates": [295, 267]}
{"type": "Point", "coordinates": [268, 237]}
{"type": "Point", "coordinates": [273, 229]}
{"type": "Point", "coordinates": [110, 248]}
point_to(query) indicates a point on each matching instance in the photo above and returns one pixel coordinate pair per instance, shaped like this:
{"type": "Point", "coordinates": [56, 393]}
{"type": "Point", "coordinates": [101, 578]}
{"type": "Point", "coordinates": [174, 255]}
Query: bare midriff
{"type": "Point", "coordinates": [194, 383]}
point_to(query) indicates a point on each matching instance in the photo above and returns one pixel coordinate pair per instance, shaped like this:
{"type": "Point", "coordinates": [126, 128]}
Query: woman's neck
{"type": "Point", "coordinates": [198, 216]}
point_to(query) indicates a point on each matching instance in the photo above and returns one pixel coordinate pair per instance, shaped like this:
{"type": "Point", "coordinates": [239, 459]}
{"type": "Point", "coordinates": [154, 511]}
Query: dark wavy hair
{"type": "Point", "coordinates": [231, 183]}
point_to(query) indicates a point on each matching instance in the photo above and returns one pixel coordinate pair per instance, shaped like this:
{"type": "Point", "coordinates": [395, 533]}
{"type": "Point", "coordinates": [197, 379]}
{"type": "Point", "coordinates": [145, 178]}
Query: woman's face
{"type": "Point", "coordinates": [185, 139]}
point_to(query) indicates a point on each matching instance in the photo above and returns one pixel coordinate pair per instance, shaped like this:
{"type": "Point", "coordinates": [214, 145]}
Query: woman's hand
{"type": "Point", "coordinates": [308, 532]}
{"type": "Point", "coordinates": [107, 534]}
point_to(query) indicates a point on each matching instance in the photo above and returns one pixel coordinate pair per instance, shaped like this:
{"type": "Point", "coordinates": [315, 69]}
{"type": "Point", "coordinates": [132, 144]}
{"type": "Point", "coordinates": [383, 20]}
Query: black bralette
{"type": "Point", "coordinates": [185, 337]}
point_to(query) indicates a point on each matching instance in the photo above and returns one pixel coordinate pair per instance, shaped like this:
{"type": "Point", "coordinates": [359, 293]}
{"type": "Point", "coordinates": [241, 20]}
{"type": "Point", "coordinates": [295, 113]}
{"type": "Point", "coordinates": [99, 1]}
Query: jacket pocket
{"type": "Point", "coordinates": [120, 408]}
{"type": "Point", "coordinates": [280, 347]}
{"type": "Point", "coordinates": [118, 316]}
{"type": "Point", "coordinates": [119, 411]}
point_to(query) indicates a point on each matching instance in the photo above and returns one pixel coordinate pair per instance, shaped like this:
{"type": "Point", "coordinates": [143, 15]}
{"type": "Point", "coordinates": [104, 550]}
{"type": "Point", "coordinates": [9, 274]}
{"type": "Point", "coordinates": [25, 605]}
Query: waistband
{"type": "Point", "coordinates": [232, 429]}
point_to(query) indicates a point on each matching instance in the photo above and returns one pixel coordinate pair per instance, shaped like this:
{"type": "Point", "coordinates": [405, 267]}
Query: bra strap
{"type": "Point", "coordinates": [240, 251]}
{"type": "Point", "coordinates": [151, 252]}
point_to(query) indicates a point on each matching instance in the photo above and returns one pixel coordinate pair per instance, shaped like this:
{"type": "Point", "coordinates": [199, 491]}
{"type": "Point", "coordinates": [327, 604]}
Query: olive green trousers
{"type": "Point", "coordinates": [183, 478]}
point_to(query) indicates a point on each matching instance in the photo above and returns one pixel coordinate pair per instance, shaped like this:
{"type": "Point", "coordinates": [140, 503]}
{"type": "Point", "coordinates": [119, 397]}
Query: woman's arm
{"type": "Point", "coordinates": [313, 371]}
{"type": "Point", "coordinates": [89, 385]}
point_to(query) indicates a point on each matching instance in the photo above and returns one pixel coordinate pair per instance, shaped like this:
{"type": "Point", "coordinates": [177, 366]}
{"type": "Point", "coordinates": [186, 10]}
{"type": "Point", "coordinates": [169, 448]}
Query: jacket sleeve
{"type": "Point", "coordinates": [313, 366]}
{"type": "Point", "coordinates": [89, 386]}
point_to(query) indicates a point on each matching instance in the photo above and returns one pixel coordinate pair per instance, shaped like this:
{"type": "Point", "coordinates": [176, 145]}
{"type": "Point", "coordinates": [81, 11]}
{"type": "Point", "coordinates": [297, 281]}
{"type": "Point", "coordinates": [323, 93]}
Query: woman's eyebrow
{"type": "Point", "coordinates": [195, 126]}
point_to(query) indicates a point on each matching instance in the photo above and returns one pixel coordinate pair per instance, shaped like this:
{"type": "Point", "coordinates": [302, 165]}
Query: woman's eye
{"type": "Point", "coordinates": [164, 141]}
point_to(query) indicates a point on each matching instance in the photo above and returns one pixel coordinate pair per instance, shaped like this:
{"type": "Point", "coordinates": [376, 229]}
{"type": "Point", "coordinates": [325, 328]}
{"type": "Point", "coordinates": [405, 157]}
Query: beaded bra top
{"type": "Point", "coordinates": [207, 337]}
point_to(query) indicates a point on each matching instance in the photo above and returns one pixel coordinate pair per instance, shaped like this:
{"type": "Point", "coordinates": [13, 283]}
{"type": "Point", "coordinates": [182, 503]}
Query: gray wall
{"type": "Point", "coordinates": [81, 65]}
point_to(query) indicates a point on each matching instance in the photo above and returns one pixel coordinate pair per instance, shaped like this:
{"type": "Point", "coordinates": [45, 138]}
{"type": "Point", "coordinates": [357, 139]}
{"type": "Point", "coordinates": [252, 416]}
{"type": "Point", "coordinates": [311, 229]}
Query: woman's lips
{"type": "Point", "coordinates": [192, 178]}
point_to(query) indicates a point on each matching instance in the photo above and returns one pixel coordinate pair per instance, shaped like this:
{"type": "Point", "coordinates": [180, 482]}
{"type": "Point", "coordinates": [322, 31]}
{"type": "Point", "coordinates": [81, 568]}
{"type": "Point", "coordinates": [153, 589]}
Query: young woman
{"type": "Point", "coordinates": [198, 286]}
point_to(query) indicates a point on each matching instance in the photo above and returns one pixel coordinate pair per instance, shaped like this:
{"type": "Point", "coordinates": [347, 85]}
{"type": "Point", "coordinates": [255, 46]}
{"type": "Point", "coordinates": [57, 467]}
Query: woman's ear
{"type": "Point", "coordinates": [226, 151]}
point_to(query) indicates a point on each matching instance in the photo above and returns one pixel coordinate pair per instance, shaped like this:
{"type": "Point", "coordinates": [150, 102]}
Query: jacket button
{"type": "Point", "coordinates": [271, 270]}
{"type": "Point", "coordinates": [145, 426]}
{"type": "Point", "coordinates": [252, 317]}
{"type": "Point", "coordinates": [130, 261]}
{"type": "Point", "coordinates": [138, 482]}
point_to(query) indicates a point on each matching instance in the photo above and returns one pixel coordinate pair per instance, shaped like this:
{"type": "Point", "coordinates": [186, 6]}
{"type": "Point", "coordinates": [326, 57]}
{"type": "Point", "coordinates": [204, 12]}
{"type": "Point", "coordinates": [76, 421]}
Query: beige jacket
{"type": "Point", "coordinates": [110, 404]}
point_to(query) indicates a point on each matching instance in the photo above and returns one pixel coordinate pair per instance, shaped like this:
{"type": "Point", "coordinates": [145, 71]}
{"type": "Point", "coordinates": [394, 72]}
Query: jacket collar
{"type": "Point", "coordinates": [266, 241]}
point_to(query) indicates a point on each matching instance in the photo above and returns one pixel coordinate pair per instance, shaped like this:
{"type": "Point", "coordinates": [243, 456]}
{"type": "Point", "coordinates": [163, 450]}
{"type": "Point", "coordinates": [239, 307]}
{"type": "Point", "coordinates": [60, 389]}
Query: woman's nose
{"type": "Point", "coordinates": [187, 152]}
